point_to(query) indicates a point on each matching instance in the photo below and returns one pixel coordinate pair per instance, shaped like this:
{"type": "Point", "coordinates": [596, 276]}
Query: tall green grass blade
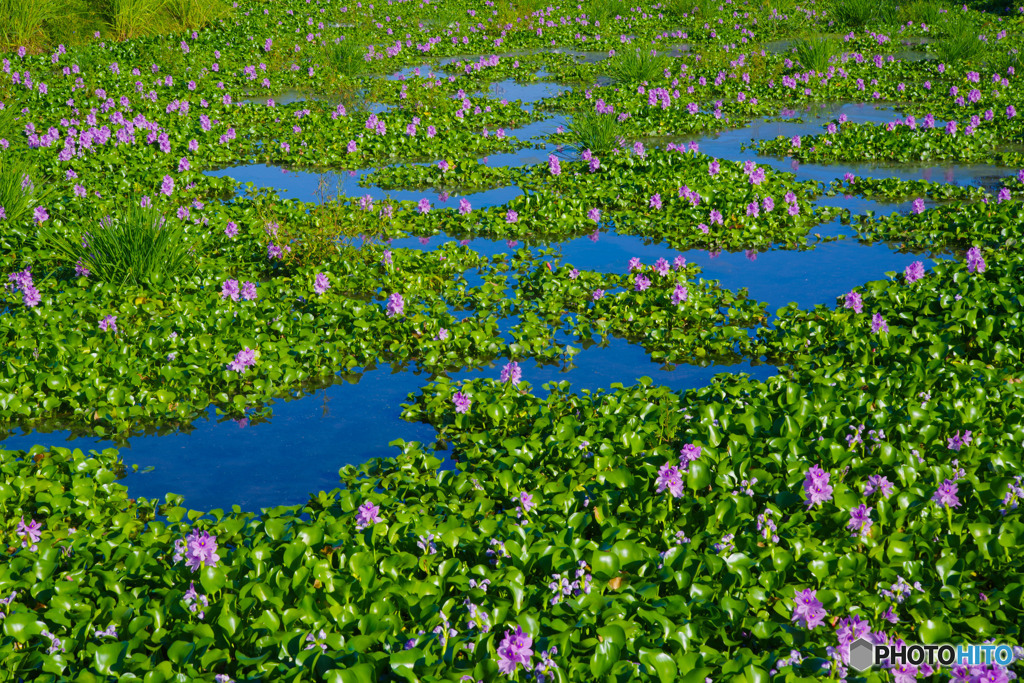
{"type": "Point", "coordinates": [137, 246]}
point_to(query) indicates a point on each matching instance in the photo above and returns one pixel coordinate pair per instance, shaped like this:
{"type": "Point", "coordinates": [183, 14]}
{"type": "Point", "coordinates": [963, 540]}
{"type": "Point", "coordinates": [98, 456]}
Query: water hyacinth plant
{"type": "Point", "coordinates": [688, 406]}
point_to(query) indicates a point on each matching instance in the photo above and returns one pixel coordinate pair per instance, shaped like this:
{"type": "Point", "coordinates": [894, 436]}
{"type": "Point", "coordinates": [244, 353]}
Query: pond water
{"type": "Point", "coordinates": [307, 440]}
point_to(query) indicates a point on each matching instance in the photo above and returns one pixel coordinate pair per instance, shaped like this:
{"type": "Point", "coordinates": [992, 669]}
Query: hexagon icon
{"type": "Point", "coordinates": [862, 654]}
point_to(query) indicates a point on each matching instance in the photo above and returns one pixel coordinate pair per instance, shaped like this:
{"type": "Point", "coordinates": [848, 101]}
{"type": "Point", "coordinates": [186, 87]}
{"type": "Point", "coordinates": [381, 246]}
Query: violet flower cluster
{"type": "Point", "coordinates": [515, 650]}
{"type": "Point", "coordinates": [367, 515]}
{"type": "Point", "coordinates": [816, 486]}
{"type": "Point", "coordinates": [198, 549]}
{"type": "Point", "coordinates": [809, 612]}
{"type": "Point", "coordinates": [22, 281]}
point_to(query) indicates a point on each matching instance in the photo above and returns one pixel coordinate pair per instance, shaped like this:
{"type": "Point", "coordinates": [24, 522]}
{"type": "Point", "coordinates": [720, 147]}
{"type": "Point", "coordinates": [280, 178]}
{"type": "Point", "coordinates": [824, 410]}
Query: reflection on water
{"type": "Point", "coordinates": [217, 464]}
{"type": "Point", "coordinates": [280, 461]}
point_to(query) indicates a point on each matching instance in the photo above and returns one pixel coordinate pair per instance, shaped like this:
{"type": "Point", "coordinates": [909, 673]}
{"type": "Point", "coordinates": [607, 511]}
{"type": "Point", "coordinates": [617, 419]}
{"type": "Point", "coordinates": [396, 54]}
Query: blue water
{"type": "Point", "coordinates": [218, 463]}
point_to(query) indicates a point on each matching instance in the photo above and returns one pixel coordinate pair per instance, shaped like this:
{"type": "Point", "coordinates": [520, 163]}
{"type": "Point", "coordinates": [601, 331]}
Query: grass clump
{"type": "Point", "coordinates": [691, 8]}
{"type": "Point", "coordinates": [195, 14]}
{"type": "Point", "coordinates": [961, 42]}
{"type": "Point", "coordinates": [923, 12]}
{"type": "Point", "coordinates": [639, 65]}
{"type": "Point", "coordinates": [346, 57]}
{"type": "Point", "coordinates": [857, 13]}
{"type": "Point", "coordinates": [815, 53]}
{"type": "Point", "coordinates": [138, 246]}
{"type": "Point", "coordinates": [23, 22]}
{"type": "Point", "coordinates": [603, 11]}
{"type": "Point", "coordinates": [131, 18]}
{"type": "Point", "coordinates": [18, 194]}
{"type": "Point", "coordinates": [593, 131]}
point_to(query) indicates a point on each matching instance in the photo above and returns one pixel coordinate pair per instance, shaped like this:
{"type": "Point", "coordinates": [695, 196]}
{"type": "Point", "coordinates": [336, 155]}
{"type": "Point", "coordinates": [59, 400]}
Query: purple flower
{"type": "Point", "coordinates": [351, 147]}
{"type": "Point", "coordinates": [322, 284]}
{"type": "Point", "coordinates": [634, 263]}
{"type": "Point", "coordinates": [597, 294]}
{"type": "Point", "coordinates": [274, 252]}
{"type": "Point", "coordinates": [816, 486]}
{"type": "Point", "coordinates": [29, 533]}
{"type": "Point", "coordinates": [670, 478]}
{"type": "Point", "coordinates": [229, 289]}
{"type": "Point", "coordinates": [753, 209]}
{"type": "Point", "coordinates": [641, 283]}
{"type": "Point", "coordinates": [956, 442]}
{"type": "Point", "coordinates": [423, 206]}
{"type": "Point", "coordinates": [951, 127]}
{"type": "Point", "coordinates": [809, 609]}
{"type": "Point", "coordinates": [246, 358]}
{"type": "Point", "coordinates": [661, 267]}
{"type": "Point", "coordinates": [946, 494]}
{"type": "Point", "coordinates": [443, 165]}
{"type": "Point", "coordinates": [594, 215]}
{"type": "Point", "coordinates": [918, 205]}
{"type": "Point", "coordinates": [679, 261]}
{"type": "Point", "coordinates": [511, 216]}
{"type": "Point", "coordinates": [514, 650]}
{"type": "Point", "coordinates": [880, 483]}
{"type": "Point", "coordinates": [248, 291]}
{"type": "Point", "coordinates": [512, 373]}
{"type": "Point", "coordinates": [108, 632]}
{"type": "Point", "coordinates": [688, 454]}
{"type": "Point", "coordinates": [655, 201]}
{"type": "Point", "coordinates": [1004, 195]}
{"type": "Point", "coordinates": [109, 323]}
{"type": "Point", "coordinates": [854, 301]}
{"type": "Point", "coordinates": [914, 272]}
{"type": "Point", "coordinates": [554, 166]}
{"type": "Point", "coordinates": [878, 324]}
{"type": "Point", "coordinates": [40, 214]}
{"type": "Point", "coordinates": [168, 186]}
{"type": "Point", "coordinates": [55, 644]}
{"type": "Point", "coordinates": [860, 520]}
{"type": "Point", "coordinates": [464, 206]}
{"type": "Point", "coordinates": [367, 514]}
{"type": "Point", "coordinates": [975, 262]}
{"type": "Point", "coordinates": [713, 167]}
{"type": "Point", "coordinates": [428, 546]}
{"type": "Point", "coordinates": [395, 305]}
{"type": "Point", "coordinates": [680, 294]}
{"type": "Point", "coordinates": [715, 216]}
{"type": "Point", "coordinates": [231, 229]}
{"type": "Point", "coordinates": [461, 401]}
{"type": "Point", "coordinates": [200, 550]}
{"type": "Point", "coordinates": [526, 502]}
{"type": "Point", "coordinates": [23, 280]}
{"type": "Point", "coordinates": [442, 334]}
